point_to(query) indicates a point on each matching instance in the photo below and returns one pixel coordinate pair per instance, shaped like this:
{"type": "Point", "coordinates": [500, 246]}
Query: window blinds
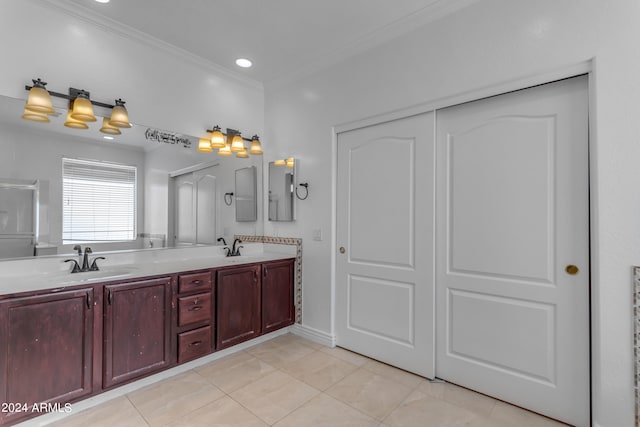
{"type": "Point", "coordinates": [99, 201]}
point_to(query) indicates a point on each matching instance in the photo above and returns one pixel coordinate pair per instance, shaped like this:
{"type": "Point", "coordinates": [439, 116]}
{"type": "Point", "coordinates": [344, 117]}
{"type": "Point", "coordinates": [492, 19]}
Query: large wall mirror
{"type": "Point", "coordinates": [282, 183]}
{"type": "Point", "coordinates": [34, 152]}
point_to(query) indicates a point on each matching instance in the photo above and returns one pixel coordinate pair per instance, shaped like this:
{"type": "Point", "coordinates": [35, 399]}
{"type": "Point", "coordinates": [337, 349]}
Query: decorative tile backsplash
{"type": "Point", "coordinates": [297, 292]}
{"type": "Point", "coordinates": [636, 338]}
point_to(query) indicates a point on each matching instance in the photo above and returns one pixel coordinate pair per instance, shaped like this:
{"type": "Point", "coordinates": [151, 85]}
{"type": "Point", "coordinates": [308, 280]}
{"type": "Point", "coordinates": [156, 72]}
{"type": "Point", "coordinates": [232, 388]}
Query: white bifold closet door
{"type": "Point", "coordinates": [513, 248]}
{"type": "Point", "coordinates": [384, 265]}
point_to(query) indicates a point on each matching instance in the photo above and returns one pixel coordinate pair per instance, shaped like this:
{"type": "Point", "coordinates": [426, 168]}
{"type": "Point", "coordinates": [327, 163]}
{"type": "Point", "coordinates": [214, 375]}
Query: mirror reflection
{"type": "Point", "coordinates": [34, 152]}
{"type": "Point", "coordinates": [281, 189]}
{"type": "Point", "coordinates": [246, 195]}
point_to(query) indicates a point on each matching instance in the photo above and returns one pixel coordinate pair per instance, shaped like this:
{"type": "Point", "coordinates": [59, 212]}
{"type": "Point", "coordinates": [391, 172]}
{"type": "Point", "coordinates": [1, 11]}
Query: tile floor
{"type": "Point", "coordinates": [290, 381]}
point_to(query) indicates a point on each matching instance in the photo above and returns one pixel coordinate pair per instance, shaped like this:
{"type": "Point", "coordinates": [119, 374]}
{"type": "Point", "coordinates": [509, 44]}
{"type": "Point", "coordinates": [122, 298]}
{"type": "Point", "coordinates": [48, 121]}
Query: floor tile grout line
{"type": "Point", "coordinates": [137, 410]}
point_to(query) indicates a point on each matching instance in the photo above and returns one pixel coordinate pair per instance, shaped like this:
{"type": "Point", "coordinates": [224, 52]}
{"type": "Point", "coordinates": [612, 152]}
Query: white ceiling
{"type": "Point", "coordinates": [281, 37]}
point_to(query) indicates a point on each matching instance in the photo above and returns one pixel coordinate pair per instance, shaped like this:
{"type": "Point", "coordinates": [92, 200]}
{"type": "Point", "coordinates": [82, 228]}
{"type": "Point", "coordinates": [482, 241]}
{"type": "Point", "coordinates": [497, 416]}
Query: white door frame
{"type": "Point", "coordinates": [585, 67]}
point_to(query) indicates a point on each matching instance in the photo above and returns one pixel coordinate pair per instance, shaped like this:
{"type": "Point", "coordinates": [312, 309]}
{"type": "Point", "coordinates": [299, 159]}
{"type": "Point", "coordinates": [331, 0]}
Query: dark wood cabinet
{"type": "Point", "coordinates": [238, 305]}
{"type": "Point", "coordinates": [194, 323]}
{"type": "Point", "coordinates": [46, 351]}
{"type": "Point", "coordinates": [277, 295]}
{"type": "Point", "coordinates": [137, 325]}
{"type": "Point", "coordinates": [62, 345]}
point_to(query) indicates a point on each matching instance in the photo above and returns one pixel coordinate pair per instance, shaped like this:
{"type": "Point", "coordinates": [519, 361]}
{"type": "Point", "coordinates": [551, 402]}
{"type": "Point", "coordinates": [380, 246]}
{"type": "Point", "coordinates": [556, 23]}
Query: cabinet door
{"type": "Point", "coordinates": [46, 354]}
{"type": "Point", "coordinates": [137, 322]}
{"type": "Point", "coordinates": [238, 305]}
{"type": "Point", "coordinates": [277, 295]}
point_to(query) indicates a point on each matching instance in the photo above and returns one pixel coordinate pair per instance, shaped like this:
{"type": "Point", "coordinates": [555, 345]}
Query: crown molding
{"type": "Point", "coordinates": [109, 25]}
{"type": "Point", "coordinates": [428, 14]}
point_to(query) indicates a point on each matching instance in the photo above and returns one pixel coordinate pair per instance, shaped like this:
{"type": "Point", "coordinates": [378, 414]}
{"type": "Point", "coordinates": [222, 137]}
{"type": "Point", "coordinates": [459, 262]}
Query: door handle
{"type": "Point", "coordinates": [342, 249]}
{"type": "Point", "coordinates": [572, 269]}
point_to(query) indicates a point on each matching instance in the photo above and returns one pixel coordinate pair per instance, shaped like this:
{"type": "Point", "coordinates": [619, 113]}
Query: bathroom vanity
{"type": "Point", "coordinates": [69, 340]}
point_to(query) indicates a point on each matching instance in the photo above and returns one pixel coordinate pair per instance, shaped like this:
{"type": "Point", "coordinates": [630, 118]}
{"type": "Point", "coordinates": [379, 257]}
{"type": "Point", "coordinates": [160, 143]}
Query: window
{"type": "Point", "coordinates": [98, 201]}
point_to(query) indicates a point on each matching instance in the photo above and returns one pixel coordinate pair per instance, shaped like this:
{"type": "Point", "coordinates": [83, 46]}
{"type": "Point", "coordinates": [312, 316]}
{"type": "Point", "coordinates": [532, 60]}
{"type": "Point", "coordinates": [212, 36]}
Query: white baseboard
{"type": "Point", "coordinates": [314, 335]}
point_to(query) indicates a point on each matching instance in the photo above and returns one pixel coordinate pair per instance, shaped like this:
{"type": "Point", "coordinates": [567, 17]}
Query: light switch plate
{"type": "Point", "coordinates": [317, 234]}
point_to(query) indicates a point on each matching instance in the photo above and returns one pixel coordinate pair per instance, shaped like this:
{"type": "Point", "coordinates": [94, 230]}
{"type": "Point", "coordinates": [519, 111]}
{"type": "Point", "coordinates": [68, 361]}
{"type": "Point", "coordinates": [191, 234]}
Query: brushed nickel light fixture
{"type": "Point", "coordinates": [228, 143]}
{"type": "Point", "coordinates": [80, 112]}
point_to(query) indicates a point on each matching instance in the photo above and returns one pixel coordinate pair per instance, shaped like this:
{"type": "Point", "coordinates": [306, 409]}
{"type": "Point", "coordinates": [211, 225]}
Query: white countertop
{"type": "Point", "coordinates": [52, 272]}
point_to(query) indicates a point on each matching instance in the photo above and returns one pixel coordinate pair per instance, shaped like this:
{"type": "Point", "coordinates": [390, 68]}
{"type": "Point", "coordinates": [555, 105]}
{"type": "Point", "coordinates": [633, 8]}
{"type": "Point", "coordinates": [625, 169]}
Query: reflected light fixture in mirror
{"type": "Point", "coordinates": [280, 162]}
{"type": "Point", "coordinates": [108, 128]}
{"type": "Point", "coordinates": [73, 123]}
{"type": "Point", "coordinates": [290, 162]}
{"type": "Point", "coordinates": [35, 117]}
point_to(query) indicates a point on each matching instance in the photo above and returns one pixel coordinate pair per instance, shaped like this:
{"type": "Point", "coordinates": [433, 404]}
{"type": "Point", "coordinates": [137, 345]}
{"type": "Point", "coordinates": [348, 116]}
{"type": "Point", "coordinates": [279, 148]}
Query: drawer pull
{"type": "Point", "coordinates": [196, 282]}
{"type": "Point", "coordinates": [195, 308]}
{"type": "Point", "coordinates": [195, 343]}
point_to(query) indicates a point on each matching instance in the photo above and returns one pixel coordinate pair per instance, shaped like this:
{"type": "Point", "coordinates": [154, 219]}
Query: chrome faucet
{"type": "Point", "coordinates": [85, 261]}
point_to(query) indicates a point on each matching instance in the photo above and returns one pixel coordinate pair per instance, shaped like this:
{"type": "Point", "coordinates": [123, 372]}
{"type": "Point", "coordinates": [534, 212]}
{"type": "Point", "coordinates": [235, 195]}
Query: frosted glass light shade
{"type": "Point", "coordinates": [35, 117]}
{"type": "Point", "coordinates": [242, 154]}
{"type": "Point", "coordinates": [256, 147]}
{"type": "Point", "coordinates": [119, 116]}
{"type": "Point", "coordinates": [108, 128]}
{"type": "Point", "coordinates": [290, 162]}
{"type": "Point", "coordinates": [39, 100]}
{"type": "Point", "coordinates": [225, 151]}
{"type": "Point", "coordinates": [280, 162]}
{"type": "Point", "coordinates": [82, 109]}
{"type": "Point", "coordinates": [217, 138]}
{"type": "Point", "coordinates": [204, 144]}
{"type": "Point", "coordinates": [237, 144]}
{"type": "Point", "coordinates": [75, 124]}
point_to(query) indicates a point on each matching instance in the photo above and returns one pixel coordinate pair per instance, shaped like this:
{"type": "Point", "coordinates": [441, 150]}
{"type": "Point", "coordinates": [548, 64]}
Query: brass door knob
{"type": "Point", "coordinates": [572, 269]}
{"type": "Point", "coordinates": [342, 250]}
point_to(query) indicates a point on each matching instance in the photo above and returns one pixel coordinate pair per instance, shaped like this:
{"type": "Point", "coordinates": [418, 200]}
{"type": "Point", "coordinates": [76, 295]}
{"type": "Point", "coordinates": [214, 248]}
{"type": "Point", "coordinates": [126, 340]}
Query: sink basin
{"type": "Point", "coordinates": [113, 273]}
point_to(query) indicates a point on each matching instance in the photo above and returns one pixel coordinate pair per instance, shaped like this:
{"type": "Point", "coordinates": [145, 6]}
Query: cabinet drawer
{"type": "Point", "coordinates": [194, 344]}
{"type": "Point", "coordinates": [194, 308]}
{"type": "Point", "coordinates": [194, 282]}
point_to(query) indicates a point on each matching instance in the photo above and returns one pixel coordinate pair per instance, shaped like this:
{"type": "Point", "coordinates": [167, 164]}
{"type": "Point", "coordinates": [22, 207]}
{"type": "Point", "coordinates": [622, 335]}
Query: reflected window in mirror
{"type": "Point", "coordinates": [99, 201]}
{"type": "Point", "coordinates": [282, 183]}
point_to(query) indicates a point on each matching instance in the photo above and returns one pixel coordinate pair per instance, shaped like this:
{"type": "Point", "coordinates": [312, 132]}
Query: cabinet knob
{"type": "Point", "coordinates": [342, 249]}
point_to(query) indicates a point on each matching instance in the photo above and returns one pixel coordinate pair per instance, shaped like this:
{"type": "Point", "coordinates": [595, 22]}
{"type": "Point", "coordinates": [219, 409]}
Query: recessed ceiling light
{"type": "Point", "coordinates": [108, 137]}
{"type": "Point", "coordinates": [243, 62]}
{"type": "Point", "coordinates": [103, 1]}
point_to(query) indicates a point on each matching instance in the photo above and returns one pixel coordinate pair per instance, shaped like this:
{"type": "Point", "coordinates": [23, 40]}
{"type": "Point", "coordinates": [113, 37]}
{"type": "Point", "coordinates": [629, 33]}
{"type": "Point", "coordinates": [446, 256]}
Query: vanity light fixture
{"type": "Point", "coordinates": [228, 143]}
{"type": "Point", "coordinates": [80, 112]}
{"type": "Point", "coordinates": [225, 151]}
{"type": "Point", "coordinates": [82, 107]}
{"type": "Point", "coordinates": [280, 162]}
{"type": "Point", "coordinates": [39, 100]}
{"type": "Point", "coordinates": [204, 144]}
{"type": "Point", "coordinates": [237, 143]}
{"type": "Point", "coordinates": [290, 162]}
{"type": "Point", "coordinates": [256, 147]}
